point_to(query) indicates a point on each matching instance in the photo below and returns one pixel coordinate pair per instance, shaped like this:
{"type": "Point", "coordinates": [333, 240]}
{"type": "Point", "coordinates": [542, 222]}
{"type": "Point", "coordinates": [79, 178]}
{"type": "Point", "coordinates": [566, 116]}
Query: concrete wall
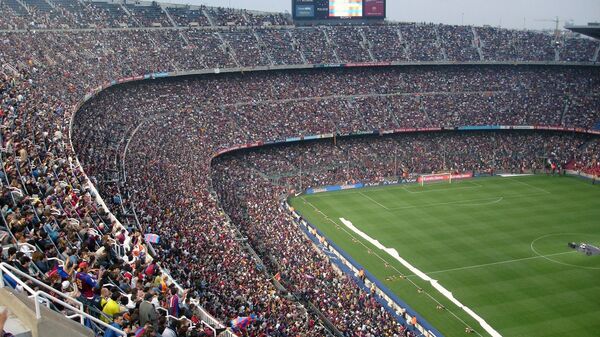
{"type": "Point", "coordinates": [51, 324]}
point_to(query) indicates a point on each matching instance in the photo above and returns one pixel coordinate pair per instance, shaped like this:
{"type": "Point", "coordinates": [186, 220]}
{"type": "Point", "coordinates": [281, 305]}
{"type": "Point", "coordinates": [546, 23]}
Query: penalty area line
{"type": "Point", "coordinates": [373, 200]}
{"type": "Point", "coordinates": [442, 189]}
{"type": "Point", "coordinates": [529, 185]}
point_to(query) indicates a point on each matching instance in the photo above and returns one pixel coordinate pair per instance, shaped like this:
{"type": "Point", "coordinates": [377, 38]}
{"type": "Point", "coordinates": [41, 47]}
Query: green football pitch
{"type": "Point", "coordinates": [499, 245]}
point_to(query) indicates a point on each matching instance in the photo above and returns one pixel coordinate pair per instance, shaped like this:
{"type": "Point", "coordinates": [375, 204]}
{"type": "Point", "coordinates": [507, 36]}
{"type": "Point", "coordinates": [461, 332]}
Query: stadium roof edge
{"type": "Point", "coordinates": [145, 3]}
{"type": "Point", "coordinates": [591, 30]}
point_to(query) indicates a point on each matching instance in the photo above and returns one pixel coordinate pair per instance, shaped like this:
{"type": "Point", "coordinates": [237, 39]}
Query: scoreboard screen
{"type": "Point", "coordinates": [338, 9]}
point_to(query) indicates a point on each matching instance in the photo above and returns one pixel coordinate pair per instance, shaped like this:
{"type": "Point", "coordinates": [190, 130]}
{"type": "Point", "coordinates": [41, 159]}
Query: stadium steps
{"type": "Point", "coordinates": [17, 6]}
{"type": "Point", "coordinates": [477, 43]}
{"type": "Point", "coordinates": [246, 17]}
{"type": "Point", "coordinates": [565, 111]}
{"type": "Point", "coordinates": [480, 45]}
{"type": "Point", "coordinates": [50, 4]}
{"type": "Point", "coordinates": [184, 38]}
{"type": "Point", "coordinates": [173, 23]}
{"type": "Point", "coordinates": [296, 46]}
{"type": "Point", "coordinates": [210, 20]}
{"type": "Point", "coordinates": [367, 45]}
{"type": "Point", "coordinates": [261, 43]}
{"type": "Point", "coordinates": [439, 43]}
{"type": "Point", "coordinates": [423, 109]}
{"type": "Point", "coordinates": [596, 53]}
{"type": "Point", "coordinates": [227, 49]}
{"type": "Point", "coordinates": [331, 45]}
{"type": "Point", "coordinates": [261, 173]}
{"type": "Point", "coordinates": [126, 10]}
{"type": "Point", "coordinates": [128, 13]}
{"type": "Point", "coordinates": [404, 45]}
{"type": "Point", "coordinates": [51, 324]}
{"type": "Point", "coordinates": [10, 68]}
{"type": "Point", "coordinates": [40, 5]}
{"type": "Point", "coordinates": [392, 113]}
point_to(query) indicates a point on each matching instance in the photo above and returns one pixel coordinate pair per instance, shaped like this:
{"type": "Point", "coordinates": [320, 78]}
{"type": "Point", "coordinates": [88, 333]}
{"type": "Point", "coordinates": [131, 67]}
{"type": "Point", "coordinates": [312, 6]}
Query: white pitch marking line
{"type": "Point", "coordinates": [482, 203]}
{"type": "Point", "coordinates": [493, 200]}
{"type": "Point", "coordinates": [385, 261]}
{"type": "Point", "coordinates": [373, 200]}
{"type": "Point", "coordinates": [445, 190]}
{"type": "Point", "coordinates": [494, 263]}
{"type": "Point", "coordinates": [526, 184]}
{"type": "Point", "coordinates": [496, 199]}
{"type": "Point", "coordinates": [434, 283]}
{"type": "Point", "coordinates": [547, 257]}
{"type": "Point", "coordinates": [474, 183]}
{"type": "Point", "coordinates": [332, 193]}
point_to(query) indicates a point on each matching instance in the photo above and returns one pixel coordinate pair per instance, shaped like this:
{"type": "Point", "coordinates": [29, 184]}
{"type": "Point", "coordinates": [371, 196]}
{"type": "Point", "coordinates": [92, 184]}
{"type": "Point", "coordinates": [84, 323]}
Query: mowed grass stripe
{"type": "Point", "coordinates": [373, 262]}
{"type": "Point", "coordinates": [458, 235]}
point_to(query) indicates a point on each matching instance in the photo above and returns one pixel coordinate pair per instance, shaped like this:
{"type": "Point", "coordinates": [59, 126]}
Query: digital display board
{"type": "Point", "coordinates": [305, 11]}
{"type": "Point", "coordinates": [345, 8]}
{"type": "Point", "coordinates": [338, 9]}
{"type": "Point", "coordinates": [374, 8]}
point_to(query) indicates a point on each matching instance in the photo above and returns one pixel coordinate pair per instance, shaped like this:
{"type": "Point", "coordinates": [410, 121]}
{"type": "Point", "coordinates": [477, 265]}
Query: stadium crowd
{"type": "Point", "coordinates": [386, 158]}
{"type": "Point", "coordinates": [587, 159]}
{"type": "Point", "coordinates": [250, 185]}
{"type": "Point", "coordinates": [66, 239]}
{"type": "Point", "coordinates": [173, 132]}
{"type": "Point", "coordinates": [63, 237]}
{"type": "Point", "coordinates": [346, 101]}
{"type": "Point", "coordinates": [391, 42]}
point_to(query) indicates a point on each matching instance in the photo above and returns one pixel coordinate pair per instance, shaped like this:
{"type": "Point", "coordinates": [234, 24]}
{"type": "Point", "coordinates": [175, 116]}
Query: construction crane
{"type": "Point", "coordinates": [557, 22]}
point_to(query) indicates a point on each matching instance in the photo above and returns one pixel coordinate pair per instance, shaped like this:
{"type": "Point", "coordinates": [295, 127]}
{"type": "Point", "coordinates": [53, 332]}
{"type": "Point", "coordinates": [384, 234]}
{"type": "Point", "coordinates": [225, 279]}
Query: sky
{"type": "Point", "coordinates": [530, 14]}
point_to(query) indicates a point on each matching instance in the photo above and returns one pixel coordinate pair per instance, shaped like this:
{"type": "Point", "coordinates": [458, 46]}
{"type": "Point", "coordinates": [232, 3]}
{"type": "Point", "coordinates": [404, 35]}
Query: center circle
{"type": "Point", "coordinates": [561, 240]}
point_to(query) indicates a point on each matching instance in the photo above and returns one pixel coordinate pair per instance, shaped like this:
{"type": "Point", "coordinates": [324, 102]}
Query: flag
{"type": "Point", "coordinates": [152, 238]}
{"type": "Point", "coordinates": [277, 276]}
{"type": "Point", "coordinates": [58, 271]}
{"type": "Point", "coordinates": [241, 323]}
{"type": "Point", "coordinates": [310, 277]}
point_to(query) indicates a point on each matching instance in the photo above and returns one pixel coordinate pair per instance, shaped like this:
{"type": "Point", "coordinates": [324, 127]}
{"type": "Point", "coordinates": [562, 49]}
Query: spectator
{"type": "Point", "coordinates": [148, 314]}
{"type": "Point", "coordinates": [112, 306]}
{"type": "Point", "coordinates": [87, 283]}
{"type": "Point", "coordinates": [117, 323]}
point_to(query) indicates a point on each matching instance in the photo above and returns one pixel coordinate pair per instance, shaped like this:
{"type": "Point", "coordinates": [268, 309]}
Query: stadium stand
{"type": "Point", "coordinates": [422, 42]}
{"type": "Point", "coordinates": [186, 16]}
{"type": "Point", "coordinates": [146, 149]}
{"type": "Point", "coordinates": [148, 16]}
{"type": "Point", "coordinates": [385, 43]}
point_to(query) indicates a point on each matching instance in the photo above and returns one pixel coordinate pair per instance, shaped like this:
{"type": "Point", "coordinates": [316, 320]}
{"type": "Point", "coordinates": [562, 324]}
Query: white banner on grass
{"type": "Point", "coordinates": [394, 253]}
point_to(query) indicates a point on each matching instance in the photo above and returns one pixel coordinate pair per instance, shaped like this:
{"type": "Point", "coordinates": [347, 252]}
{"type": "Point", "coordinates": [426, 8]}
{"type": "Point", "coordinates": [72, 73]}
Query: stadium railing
{"type": "Point", "coordinates": [206, 318]}
{"type": "Point", "coordinates": [401, 310]}
{"type": "Point", "coordinates": [9, 273]}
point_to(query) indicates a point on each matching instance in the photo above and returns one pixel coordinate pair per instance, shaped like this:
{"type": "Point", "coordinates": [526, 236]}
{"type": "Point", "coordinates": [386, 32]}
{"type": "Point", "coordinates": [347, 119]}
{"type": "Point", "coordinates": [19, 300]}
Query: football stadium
{"type": "Point", "coordinates": [190, 170]}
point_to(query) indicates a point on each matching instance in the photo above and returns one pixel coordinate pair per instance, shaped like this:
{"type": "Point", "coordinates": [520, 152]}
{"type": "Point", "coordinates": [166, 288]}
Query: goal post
{"type": "Point", "coordinates": [435, 178]}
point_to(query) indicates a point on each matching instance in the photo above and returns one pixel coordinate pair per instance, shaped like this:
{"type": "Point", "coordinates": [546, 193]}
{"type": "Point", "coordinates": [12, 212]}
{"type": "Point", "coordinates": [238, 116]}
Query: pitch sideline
{"type": "Point", "coordinates": [381, 258]}
{"type": "Point", "coordinates": [394, 253]}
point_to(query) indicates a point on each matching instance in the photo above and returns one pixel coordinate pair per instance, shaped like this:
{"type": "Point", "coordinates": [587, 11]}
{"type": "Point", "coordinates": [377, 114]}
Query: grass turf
{"type": "Point", "coordinates": [498, 244]}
